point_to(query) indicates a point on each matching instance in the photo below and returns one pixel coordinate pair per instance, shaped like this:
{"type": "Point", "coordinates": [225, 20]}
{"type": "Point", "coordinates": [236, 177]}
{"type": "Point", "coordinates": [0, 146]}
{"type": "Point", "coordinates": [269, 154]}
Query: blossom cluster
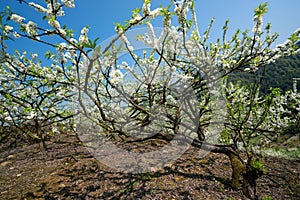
{"type": "Point", "coordinates": [51, 10]}
{"type": "Point", "coordinates": [83, 39]}
{"type": "Point", "coordinates": [17, 18]}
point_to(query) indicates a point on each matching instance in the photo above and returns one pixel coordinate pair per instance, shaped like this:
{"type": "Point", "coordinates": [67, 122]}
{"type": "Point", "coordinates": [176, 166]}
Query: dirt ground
{"type": "Point", "coordinates": [66, 170]}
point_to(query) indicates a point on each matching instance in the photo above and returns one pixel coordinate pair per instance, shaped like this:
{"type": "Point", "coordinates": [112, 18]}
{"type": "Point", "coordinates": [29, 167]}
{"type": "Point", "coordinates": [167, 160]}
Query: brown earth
{"type": "Point", "coordinates": [66, 170]}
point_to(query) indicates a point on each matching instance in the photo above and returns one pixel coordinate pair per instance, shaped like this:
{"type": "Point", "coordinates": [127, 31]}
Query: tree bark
{"type": "Point", "coordinates": [238, 168]}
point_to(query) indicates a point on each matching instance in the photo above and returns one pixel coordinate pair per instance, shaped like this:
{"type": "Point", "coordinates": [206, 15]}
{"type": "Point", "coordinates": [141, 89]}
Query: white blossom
{"type": "Point", "coordinates": [31, 28]}
{"type": "Point", "coordinates": [57, 67]}
{"type": "Point", "coordinates": [181, 9]}
{"type": "Point", "coordinates": [126, 41]}
{"type": "Point", "coordinates": [136, 19]}
{"type": "Point", "coordinates": [38, 7]}
{"type": "Point", "coordinates": [62, 47]}
{"type": "Point", "coordinates": [56, 6]}
{"type": "Point", "coordinates": [62, 32]}
{"type": "Point", "coordinates": [16, 35]}
{"type": "Point", "coordinates": [55, 130]}
{"type": "Point", "coordinates": [69, 3]}
{"type": "Point", "coordinates": [146, 8]}
{"type": "Point", "coordinates": [73, 41]}
{"type": "Point", "coordinates": [49, 32]}
{"type": "Point", "coordinates": [84, 30]}
{"type": "Point", "coordinates": [68, 55]}
{"type": "Point", "coordinates": [83, 39]}
{"type": "Point", "coordinates": [258, 22]}
{"type": "Point", "coordinates": [17, 18]}
{"type": "Point", "coordinates": [8, 29]}
{"type": "Point", "coordinates": [156, 12]}
{"type": "Point", "coordinates": [31, 115]}
{"type": "Point", "coordinates": [34, 56]}
{"type": "Point", "coordinates": [116, 77]}
{"type": "Point", "coordinates": [256, 29]}
{"type": "Point", "coordinates": [125, 66]}
{"type": "Point", "coordinates": [54, 23]}
{"type": "Point", "coordinates": [8, 118]}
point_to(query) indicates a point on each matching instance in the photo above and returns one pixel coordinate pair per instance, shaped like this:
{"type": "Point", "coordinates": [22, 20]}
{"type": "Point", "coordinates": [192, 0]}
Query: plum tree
{"type": "Point", "coordinates": [177, 86]}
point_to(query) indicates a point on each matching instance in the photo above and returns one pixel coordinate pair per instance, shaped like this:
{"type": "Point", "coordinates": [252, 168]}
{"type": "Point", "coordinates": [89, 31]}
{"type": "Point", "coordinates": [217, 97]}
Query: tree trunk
{"type": "Point", "coordinates": [249, 181]}
{"type": "Point", "coordinates": [238, 168]}
{"type": "Point", "coordinates": [39, 133]}
{"type": "Point", "coordinates": [237, 165]}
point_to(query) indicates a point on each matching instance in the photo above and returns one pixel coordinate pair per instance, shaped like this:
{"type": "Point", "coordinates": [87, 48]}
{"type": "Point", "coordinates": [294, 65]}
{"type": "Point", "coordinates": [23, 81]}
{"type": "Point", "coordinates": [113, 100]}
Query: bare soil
{"type": "Point", "coordinates": [66, 170]}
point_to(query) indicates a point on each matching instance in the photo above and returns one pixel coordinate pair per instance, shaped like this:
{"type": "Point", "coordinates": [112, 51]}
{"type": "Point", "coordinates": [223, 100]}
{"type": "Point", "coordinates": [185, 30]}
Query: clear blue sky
{"type": "Point", "coordinates": [101, 15]}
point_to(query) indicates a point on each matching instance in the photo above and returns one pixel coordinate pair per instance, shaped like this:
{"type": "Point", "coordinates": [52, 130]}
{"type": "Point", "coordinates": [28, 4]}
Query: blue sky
{"type": "Point", "coordinates": [101, 15]}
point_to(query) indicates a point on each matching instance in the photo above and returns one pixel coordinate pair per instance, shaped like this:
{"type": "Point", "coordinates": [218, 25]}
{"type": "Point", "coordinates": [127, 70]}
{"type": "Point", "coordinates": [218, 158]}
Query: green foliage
{"type": "Point", "coordinates": [294, 38]}
{"type": "Point", "coordinates": [225, 137]}
{"type": "Point", "coordinates": [119, 26]}
{"type": "Point", "coordinates": [91, 44]}
{"type": "Point", "coordinates": [258, 165]}
{"type": "Point", "coordinates": [276, 75]}
{"type": "Point", "coordinates": [261, 10]}
{"type": "Point", "coordinates": [135, 12]}
{"type": "Point", "coordinates": [166, 12]}
{"type": "Point", "coordinates": [267, 197]}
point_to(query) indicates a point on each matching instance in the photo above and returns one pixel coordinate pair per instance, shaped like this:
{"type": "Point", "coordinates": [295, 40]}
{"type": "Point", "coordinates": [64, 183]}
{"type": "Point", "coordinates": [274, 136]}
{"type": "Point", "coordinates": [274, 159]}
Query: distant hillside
{"type": "Point", "coordinates": [278, 74]}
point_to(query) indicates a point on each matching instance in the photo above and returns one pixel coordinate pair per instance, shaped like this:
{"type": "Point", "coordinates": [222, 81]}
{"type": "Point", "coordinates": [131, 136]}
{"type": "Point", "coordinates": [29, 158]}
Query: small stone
{"type": "Point", "coordinates": [11, 156]}
{"type": "Point", "coordinates": [3, 164]}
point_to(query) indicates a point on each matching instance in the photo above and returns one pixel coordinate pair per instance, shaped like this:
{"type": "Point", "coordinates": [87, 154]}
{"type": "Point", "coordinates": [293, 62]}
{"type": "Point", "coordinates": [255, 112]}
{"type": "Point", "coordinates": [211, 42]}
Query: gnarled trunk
{"type": "Point", "coordinates": [241, 171]}
{"type": "Point", "coordinates": [238, 167]}
{"type": "Point", "coordinates": [250, 178]}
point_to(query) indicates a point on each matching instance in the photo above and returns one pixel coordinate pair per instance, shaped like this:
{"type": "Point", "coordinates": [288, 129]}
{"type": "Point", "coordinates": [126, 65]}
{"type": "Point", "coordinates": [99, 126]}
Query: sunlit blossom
{"type": "Point", "coordinates": [156, 12]}
{"type": "Point", "coordinates": [116, 77]}
{"type": "Point", "coordinates": [146, 8]}
{"type": "Point", "coordinates": [68, 3]}
{"type": "Point", "coordinates": [84, 30]}
{"type": "Point", "coordinates": [57, 8]}
{"type": "Point", "coordinates": [34, 56]}
{"type": "Point", "coordinates": [38, 7]}
{"type": "Point", "coordinates": [8, 29]}
{"type": "Point", "coordinates": [17, 18]}
{"type": "Point", "coordinates": [83, 39]}
{"type": "Point", "coordinates": [31, 28]}
{"type": "Point", "coordinates": [73, 40]}
{"type": "Point", "coordinates": [62, 46]}
{"type": "Point", "coordinates": [16, 35]}
{"type": "Point", "coordinates": [62, 32]}
{"type": "Point", "coordinates": [54, 23]}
